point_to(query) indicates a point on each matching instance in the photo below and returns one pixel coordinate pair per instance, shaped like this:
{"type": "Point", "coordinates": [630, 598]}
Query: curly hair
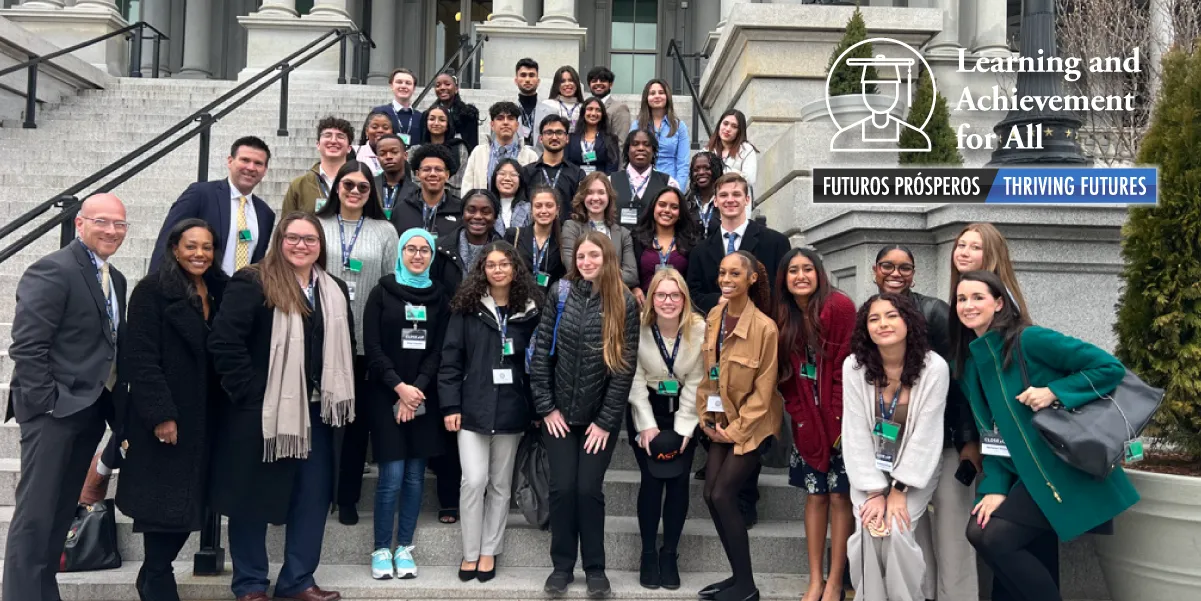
{"type": "Point", "coordinates": [760, 291]}
{"type": "Point", "coordinates": [716, 166]}
{"type": "Point", "coordinates": [687, 229]}
{"type": "Point", "coordinates": [475, 283]}
{"type": "Point", "coordinates": [432, 151]}
{"type": "Point", "coordinates": [650, 136]}
{"type": "Point", "coordinates": [867, 354]}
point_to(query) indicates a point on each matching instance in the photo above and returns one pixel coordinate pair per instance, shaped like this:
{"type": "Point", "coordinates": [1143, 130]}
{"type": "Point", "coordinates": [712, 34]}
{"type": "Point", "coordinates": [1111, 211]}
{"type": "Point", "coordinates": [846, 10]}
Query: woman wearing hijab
{"type": "Point", "coordinates": [404, 323]}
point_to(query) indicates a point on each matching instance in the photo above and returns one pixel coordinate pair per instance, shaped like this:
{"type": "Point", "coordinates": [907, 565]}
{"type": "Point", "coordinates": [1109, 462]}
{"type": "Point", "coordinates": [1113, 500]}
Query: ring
{"type": "Point", "coordinates": [162, 440]}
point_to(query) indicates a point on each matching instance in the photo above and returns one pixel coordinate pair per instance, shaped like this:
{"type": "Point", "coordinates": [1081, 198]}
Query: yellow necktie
{"type": "Point", "coordinates": [106, 286]}
{"type": "Point", "coordinates": [242, 250]}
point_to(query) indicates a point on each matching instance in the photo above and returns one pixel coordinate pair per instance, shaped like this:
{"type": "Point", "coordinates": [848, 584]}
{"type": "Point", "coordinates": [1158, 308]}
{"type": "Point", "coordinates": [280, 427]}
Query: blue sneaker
{"type": "Point", "coordinates": [381, 564]}
{"type": "Point", "coordinates": [405, 566]}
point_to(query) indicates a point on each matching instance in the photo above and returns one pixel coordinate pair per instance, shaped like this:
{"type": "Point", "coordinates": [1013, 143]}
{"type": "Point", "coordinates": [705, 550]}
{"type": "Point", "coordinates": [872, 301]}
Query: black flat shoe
{"type": "Point", "coordinates": [468, 575]}
{"type": "Point", "coordinates": [648, 570]}
{"type": "Point", "coordinates": [734, 595]}
{"type": "Point", "coordinates": [490, 574]}
{"type": "Point", "coordinates": [598, 585]}
{"type": "Point", "coordinates": [669, 570]}
{"type": "Point", "coordinates": [709, 592]}
{"type": "Point", "coordinates": [556, 583]}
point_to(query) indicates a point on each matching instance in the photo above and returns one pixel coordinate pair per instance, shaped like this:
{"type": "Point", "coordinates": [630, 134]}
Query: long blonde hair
{"type": "Point", "coordinates": [995, 259]}
{"type": "Point", "coordinates": [280, 290]}
{"type": "Point", "coordinates": [688, 317]}
{"type": "Point", "coordinates": [612, 292]}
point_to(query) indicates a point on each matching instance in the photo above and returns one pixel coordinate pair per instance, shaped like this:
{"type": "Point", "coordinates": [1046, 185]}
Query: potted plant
{"type": "Point", "coordinates": [847, 94]}
{"type": "Point", "coordinates": [944, 149]}
{"type": "Point", "coordinates": [1153, 553]}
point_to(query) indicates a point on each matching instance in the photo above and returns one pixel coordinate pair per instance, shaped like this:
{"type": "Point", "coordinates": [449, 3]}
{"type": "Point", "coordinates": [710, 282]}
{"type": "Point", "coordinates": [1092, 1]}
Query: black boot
{"type": "Point", "coordinates": [648, 572]}
{"type": "Point", "coordinates": [669, 570]}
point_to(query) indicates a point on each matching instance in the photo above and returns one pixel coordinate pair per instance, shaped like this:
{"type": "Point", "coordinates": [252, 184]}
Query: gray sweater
{"type": "Point", "coordinates": [375, 247]}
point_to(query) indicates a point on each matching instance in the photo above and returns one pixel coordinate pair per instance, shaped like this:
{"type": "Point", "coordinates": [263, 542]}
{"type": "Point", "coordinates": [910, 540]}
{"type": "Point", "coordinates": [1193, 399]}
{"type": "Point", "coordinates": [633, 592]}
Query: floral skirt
{"type": "Point", "coordinates": [803, 475]}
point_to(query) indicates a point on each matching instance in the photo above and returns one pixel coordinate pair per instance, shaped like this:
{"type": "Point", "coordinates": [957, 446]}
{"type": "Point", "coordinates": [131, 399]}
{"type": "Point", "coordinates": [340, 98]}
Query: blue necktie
{"type": "Point", "coordinates": [732, 237]}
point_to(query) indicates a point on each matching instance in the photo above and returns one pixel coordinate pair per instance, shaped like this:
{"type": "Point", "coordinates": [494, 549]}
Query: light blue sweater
{"type": "Point", "coordinates": [674, 151]}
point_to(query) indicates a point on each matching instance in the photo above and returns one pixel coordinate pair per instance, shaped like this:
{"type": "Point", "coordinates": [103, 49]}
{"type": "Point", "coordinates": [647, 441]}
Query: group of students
{"type": "Point", "coordinates": [444, 327]}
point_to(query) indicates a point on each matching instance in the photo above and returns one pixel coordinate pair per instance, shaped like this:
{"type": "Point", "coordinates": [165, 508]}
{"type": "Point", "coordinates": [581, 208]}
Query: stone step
{"type": "Point", "coordinates": [433, 582]}
{"type": "Point", "coordinates": [775, 546]}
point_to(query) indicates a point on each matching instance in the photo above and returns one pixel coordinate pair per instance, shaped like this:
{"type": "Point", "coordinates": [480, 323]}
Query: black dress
{"type": "Point", "coordinates": [389, 364]}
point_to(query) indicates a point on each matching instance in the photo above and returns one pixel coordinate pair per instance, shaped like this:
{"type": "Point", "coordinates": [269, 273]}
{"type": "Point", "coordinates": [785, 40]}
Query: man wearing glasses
{"type": "Point", "coordinates": [309, 192]}
{"type": "Point", "coordinates": [65, 332]}
{"type": "Point", "coordinates": [430, 205]}
{"type": "Point", "coordinates": [552, 169]}
{"type": "Point", "coordinates": [242, 220]}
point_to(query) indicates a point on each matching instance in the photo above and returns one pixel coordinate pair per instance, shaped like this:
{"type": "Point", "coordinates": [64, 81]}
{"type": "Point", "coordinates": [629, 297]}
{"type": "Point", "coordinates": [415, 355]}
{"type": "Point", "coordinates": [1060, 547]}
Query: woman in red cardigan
{"type": "Point", "coordinates": [815, 336]}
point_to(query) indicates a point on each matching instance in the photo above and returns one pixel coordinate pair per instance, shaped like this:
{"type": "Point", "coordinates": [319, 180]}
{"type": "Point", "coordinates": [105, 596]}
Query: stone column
{"type": "Point", "coordinates": [278, 8]}
{"type": "Point", "coordinates": [947, 40]}
{"type": "Point", "coordinates": [383, 19]}
{"type": "Point", "coordinates": [50, 4]}
{"type": "Point", "coordinates": [558, 12]}
{"type": "Point", "coordinates": [158, 14]}
{"type": "Point", "coordinates": [508, 11]}
{"type": "Point", "coordinates": [329, 9]}
{"type": "Point", "coordinates": [198, 19]}
{"type": "Point", "coordinates": [97, 5]}
{"type": "Point", "coordinates": [991, 24]}
{"type": "Point", "coordinates": [274, 32]}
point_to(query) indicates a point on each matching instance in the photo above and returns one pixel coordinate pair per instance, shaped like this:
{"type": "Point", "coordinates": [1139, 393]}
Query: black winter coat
{"type": "Point", "coordinates": [765, 244]}
{"type": "Point", "coordinates": [389, 364]}
{"type": "Point", "coordinates": [957, 416]}
{"type": "Point", "coordinates": [552, 264]}
{"type": "Point", "coordinates": [448, 268]}
{"type": "Point", "coordinates": [576, 381]}
{"type": "Point", "coordinates": [407, 213]}
{"type": "Point", "coordinates": [170, 378]}
{"type": "Point", "coordinates": [240, 345]}
{"type": "Point", "coordinates": [469, 354]}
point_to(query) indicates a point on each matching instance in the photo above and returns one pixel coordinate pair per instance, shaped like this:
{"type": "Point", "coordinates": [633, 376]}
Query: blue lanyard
{"type": "Point", "coordinates": [539, 253]}
{"type": "Point", "coordinates": [108, 298]}
{"type": "Point", "coordinates": [390, 196]}
{"type": "Point", "coordinates": [408, 124]}
{"type": "Point", "coordinates": [309, 290]}
{"type": "Point", "coordinates": [555, 182]}
{"type": "Point", "coordinates": [322, 185]}
{"type": "Point", "coordinates": [429, 215]}
{"type": "Point", "coordinates": [347, 250]}
{"type": "Point", "coordinates": [503, 322]}
{"type": "Point", "coordinates": [637, 192]}
{"type": "Point", "coordinates": [893, 408]}
{"type": "Point", "coordinates": [659, 249]}
{"type": "Point", "coordinates": [706, 215]}
{"type": "Point", "coordinates": [670, 362]}
{"type": "Point", "coordinates": [721, 335]}
{"type": "Point", "coordinates": [570, 112]}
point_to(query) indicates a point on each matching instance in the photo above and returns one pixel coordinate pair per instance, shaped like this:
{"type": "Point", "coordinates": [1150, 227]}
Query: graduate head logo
{"type": "Point", "coordinates": [894, 78]}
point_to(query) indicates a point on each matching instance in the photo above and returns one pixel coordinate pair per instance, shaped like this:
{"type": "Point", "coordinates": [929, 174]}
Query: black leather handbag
{"type": "Point", "coordinates": [1092, 437]}
{"type": "Point", "coordinates": [92, 540]}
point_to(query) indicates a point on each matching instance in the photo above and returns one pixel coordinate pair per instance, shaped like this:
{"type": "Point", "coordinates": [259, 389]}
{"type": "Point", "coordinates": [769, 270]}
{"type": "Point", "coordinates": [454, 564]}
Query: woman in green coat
{"type": "Point", "coordinates": [1028, 492]}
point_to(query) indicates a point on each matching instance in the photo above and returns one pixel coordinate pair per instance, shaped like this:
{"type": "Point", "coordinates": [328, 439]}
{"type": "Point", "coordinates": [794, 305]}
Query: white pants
{"type": "Point", "coordinates": [950, 559]}
{"type": "Point", "coordinates": [888, 568]}
{"type": "Point", "coordinates": [487, 463]}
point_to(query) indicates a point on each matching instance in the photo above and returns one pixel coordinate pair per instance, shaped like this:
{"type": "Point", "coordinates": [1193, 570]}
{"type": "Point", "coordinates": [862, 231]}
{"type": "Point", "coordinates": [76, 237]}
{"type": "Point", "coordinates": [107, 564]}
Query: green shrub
{"type": "Point", "coordinates": [847, 79]}
{"type": "Point", "coordinates": [944, 149]}
{"type": "Point", "coordinates": [1159, 312]}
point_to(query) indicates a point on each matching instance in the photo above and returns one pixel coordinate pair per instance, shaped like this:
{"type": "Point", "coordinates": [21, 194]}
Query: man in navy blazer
{"type": "Point", "coordinates": [407, 121]}
{"type": "Point", "coordinates": [218, 202]}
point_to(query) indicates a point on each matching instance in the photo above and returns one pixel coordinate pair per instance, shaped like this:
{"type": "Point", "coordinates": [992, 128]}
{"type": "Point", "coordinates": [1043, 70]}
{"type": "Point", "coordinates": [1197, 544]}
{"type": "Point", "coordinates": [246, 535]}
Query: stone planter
{"type": "Point", "coordinates": [847, 109]}
{"type": "Point", "coordinates": [1153, 552]}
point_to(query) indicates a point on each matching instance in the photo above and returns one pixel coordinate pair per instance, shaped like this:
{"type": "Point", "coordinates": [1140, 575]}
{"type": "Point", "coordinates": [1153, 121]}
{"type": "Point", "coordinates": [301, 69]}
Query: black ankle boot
{"type": "Point", "coordinates": [648, 572]}
{"type": "Point", "coordinates": [669, 570]}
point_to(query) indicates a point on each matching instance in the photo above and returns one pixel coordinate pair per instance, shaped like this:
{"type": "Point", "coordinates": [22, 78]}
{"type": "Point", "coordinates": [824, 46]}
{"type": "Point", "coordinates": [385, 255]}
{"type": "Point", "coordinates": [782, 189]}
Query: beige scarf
{"type": "Point", "coordinates": [286, 429]}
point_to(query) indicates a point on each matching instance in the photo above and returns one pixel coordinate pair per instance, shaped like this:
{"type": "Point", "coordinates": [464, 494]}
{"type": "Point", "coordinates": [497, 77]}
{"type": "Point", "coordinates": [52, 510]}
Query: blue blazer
{"type": "Point", "coordinates": [210, 201]}
{"type": "Point", "coordinates": [416, 129]}
{"type": "Point", "coordinates": [675, 152]}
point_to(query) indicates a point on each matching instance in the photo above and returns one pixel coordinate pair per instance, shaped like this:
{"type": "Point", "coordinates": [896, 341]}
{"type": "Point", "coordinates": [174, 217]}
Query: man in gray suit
{"type": "Point", "coordinates": [70, 305]}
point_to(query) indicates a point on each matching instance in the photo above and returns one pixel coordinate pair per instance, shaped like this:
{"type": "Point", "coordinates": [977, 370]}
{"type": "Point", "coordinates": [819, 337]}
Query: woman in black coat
{"type": "Point", "coordinates": [485, 395]}
{"type": "Point", "coordinates": [173, 393]}
{"type": "Point", "coordinates": [537, 245]}
{"type": "Point", "coordinates": [285, 476]}
{"type": "Point", "coordinates": [403, 327]}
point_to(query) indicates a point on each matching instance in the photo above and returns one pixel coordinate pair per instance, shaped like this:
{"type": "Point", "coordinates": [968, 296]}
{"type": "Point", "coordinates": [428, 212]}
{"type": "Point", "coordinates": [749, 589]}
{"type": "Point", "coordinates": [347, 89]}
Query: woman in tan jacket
{"type": "Point", "coordinates": [739, 408]}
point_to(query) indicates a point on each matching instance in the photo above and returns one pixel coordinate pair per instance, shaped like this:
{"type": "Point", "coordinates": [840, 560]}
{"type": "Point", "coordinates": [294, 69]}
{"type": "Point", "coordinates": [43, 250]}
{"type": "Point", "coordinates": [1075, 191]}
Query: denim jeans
{"type": "Point", "coordinates": [399, 481]}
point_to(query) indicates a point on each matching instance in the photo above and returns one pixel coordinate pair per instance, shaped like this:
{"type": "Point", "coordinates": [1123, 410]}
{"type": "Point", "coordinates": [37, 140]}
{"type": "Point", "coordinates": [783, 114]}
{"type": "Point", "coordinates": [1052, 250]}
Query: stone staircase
{"type": "Point", "coordinates": [87, 132]}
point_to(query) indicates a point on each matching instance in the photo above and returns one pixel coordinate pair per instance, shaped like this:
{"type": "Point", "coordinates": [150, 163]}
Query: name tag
{"type": "Point", "coordinates": [669, 388]}
{"type": "Point", "coordinates": [388, 214]}
{"type": "Point", "coordinates": [886, 430]}
{"type": "Point", "coordinates": [809, 370]}
{"type": "Point", "coordinates": [885, 460]}
{"type": "Point", "coordinates": [350, 288]}
{"type": "Point", "coordinates": [629, 216]}
{"type": "Point", "coordinates": [991, 443]}
{"type": "Point", "coordinates": [506, 348]}
{"type": "Point", "coordinates": [405, 138]}
{"type": "Point", "coordinates": [713, 404]}
{"type": "Point", "coordinates": [543, 279]}
{"type": "Point", "coordinates": [320, 203]}
{"type": "Point", "coordinates": [245, 235]}
{"type": "Point", "coordinates": [415, 312]}
{"type": "Point", "coordinates": [1134, 451]}
{"type": "Point", "coordinates": [713, 373]}
{"type": "Point", "coordinates": [502, 376]}
{"type": "Point", "coordinates": [590, 156]}
{"type": "Point", "coordinates": [354, 265]}
{"type": "Point", "coordinates": [587, 169]}
{"type": "Point", "coordinates": [413, 339]}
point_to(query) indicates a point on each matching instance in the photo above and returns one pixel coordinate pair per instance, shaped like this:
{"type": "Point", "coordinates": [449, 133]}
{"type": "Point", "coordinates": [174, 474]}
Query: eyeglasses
{"type": "Point", "coordinates": [889, 267]}
{"type": "Point", "coordinates": [554, 133]}
{"type": "Point", "coordinates": [674, 297]}
{"type": "Point", "coordinates": [104, 224]}
{"type": "Point", "coordinates": [507, 175]}
{"type": "Point", "coordinates": [490, 266]}
{"type": "Point", "coordinates": [420, 251]}
{"type": "Point", "coordinates": [296, 239]}
{"type": "Point", "coordinates": [424, 170]}
{"type": "Point", "coordinates": [334, 135]}
{"type": "Point", "coordinates": [362, 187]}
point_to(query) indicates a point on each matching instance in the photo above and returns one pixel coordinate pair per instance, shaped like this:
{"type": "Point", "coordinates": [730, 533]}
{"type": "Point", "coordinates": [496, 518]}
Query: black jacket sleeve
{"type": "Point", "coordinates": [379, 365]}
{"type": "Point", "coordinates": [427, 374]}
{"type": "Point", "coordinates": [150, 396]}
{"type": "Point", "coordinates": [541, 368]}
{"type": "Point", "coordinates": [450, 373]}
{"type": "Point", "coordinates": [229, 343]}
{"type": "Point", "coordinates": [617, 395]}
{"type": "Point", "coordinates": [468, 126]}
{"type": "Point", "coordinates": [703, 301]}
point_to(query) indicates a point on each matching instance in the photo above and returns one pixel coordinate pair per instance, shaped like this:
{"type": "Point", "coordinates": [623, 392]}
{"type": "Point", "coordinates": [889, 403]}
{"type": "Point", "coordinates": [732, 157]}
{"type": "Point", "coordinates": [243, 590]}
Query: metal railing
{"type": "Point", "coordinates": [363, 45]}
{"type": "Point", "coordinates": [465, 45]}
{"type": "Point", "coordinates": [135, 32]}
{"type": "Point", "coordinates": [673, 50]}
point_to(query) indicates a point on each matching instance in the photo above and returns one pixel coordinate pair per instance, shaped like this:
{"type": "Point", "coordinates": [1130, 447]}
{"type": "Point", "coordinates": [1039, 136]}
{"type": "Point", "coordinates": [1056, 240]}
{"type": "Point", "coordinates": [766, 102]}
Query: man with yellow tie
{"type": "Point", "coordinates": [242, 220]}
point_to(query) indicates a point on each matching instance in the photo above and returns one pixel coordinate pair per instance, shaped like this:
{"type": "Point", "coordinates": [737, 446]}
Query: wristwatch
{"type": "Point", "coordinates": [900, 486]}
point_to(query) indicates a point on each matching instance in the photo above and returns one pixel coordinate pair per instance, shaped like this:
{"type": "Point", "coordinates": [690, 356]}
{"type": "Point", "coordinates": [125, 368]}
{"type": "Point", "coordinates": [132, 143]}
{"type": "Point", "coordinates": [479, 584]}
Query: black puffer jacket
{"type": "Point", "coordinates": [470, 352]}
{"type": "Point", "coordinates": [957, 417]}
{"type": "Point", "coordinates": [581, 387]}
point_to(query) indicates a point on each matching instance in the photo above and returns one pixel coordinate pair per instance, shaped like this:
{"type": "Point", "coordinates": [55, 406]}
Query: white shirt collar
{"type": "Point", "coordinates": [234, 193]}
{"type": "Point", "coordinates": [740, 230]}
{"type": "Point", "coordinates": [397, 106]}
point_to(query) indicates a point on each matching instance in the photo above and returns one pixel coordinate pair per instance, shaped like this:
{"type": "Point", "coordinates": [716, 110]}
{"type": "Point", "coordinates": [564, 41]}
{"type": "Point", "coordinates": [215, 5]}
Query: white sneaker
{"type": "Point", "coordinates": [405, 566]}
{"type": "Point", "coordinates": [381, 564]}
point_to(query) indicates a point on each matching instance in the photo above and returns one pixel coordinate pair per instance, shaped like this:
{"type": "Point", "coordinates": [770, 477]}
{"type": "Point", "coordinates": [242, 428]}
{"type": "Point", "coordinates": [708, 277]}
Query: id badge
{"type": "Point", "coordinates": [245, 235]}
{"type": "Point", "coordinates": [388, 214]}
{"type": "Point", "coordinates": [542, 278]}
{"type": "Point", "coordinates": [413, 339]}
{"type": "Point", "coordinates": [354, 265]}
{"type": "Point", "coordinates": [713, 404]}
{"type": "Point", "coordinates": [590, 156]}
{"type": "Point", "coordinates": [886, 430]}
{"type": "Point", "coordinates": [350, 287]}
{"type": "Point", "coordinates": [506, 348]}
{"type": "Point", "coordinates": [405, 138]}
{"type": "Point", "coordinates": [320, 203]}
{"type": "Point", "coordinates": [415, 312]}
{"type": "Point", "coordinates": [629, 216]}
{"type": "Point", "coordinates": [587, 169]}
{"type": "Point", "coordinates": [991, 443]}
{"type": "Point", "coordinates": [809, 370]}
{"type": "Point", "coordinates": [713, 373]}
{"type": "Point", "coordinates": [885, 458]}
{"type": "Point", "coordinates": [669, 388]}
{"type": "Point", "coordinates": [502, 376]}
{"type": "Point", "coordinates": [1133, 452]}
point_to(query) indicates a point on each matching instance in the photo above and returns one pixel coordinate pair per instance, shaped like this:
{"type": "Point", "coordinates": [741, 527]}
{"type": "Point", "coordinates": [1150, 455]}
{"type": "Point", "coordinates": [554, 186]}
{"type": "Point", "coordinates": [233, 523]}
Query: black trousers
{"type": "Point", "coordinates": [448, 471]}
{"type": "Point", "coordinates": [156, 579]}
{"type": "Point", "coordinates": [355, 436]}
{"type": "Point", "coordinates": [1021, 548]}
{"type": "Point", "coordinates": [661, 499]}
{"type": "Point", "coordinates": [725, 474]}
{"type": "Point", "coordinates": [577, 499]}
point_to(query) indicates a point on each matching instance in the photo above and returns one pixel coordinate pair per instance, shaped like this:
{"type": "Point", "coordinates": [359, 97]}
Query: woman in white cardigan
{"type": "Point", "coordinates": [894, 392]}
{"type": "Point", "coordinates": [665, 383]}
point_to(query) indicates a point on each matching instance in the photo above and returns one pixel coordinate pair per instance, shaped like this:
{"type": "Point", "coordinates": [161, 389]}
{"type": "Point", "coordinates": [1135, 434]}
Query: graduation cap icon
{"type": "Point", "coordinates": [881, 62]}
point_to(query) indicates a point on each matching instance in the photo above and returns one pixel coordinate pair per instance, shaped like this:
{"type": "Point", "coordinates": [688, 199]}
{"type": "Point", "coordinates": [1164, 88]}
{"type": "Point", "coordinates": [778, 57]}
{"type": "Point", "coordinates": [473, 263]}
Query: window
{"type": "Point", "coordinates": [634, 42]}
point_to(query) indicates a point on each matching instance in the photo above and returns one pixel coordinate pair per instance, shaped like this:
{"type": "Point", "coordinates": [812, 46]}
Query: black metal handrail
{"type": "Point", "coordinates": [464, 40]}
{"type": "Point", "coordinates": [135, 31]}
{"type": "Point", "coordinates": [673, 50]}
{"type": "Point", "coordinates": [68, 201]}
{"type": "Point", "coordinates": [362, 57]}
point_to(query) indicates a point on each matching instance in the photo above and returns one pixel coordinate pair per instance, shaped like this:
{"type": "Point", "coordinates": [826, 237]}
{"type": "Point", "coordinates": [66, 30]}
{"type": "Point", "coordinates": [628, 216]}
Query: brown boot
{"type": "Point", "coordinates": [95, 486]}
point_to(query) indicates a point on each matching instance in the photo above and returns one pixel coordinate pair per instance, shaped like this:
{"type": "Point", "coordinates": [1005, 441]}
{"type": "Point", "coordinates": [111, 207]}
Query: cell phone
{"type": "Point", "coordinates": [966, 474]}
{"type": "Point", "coordinates": [709, 424]}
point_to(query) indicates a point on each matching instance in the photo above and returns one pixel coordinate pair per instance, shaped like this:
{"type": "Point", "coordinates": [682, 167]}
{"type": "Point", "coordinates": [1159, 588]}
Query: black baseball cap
{"type": "Point", "coordinates": [666, 459]}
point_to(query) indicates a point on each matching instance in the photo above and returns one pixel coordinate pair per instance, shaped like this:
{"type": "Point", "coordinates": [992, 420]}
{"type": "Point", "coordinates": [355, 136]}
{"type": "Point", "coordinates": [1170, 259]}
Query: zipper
{"type": "Point", "coordinates": [1005, 394]}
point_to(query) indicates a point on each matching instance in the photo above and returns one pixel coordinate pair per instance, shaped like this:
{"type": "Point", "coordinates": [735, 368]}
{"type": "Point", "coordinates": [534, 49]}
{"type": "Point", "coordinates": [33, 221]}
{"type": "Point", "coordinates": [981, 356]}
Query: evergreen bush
{"type": "Point", "coordinates": [944, 149]}
{"type": "Point", "coordinates": [847, 79]}
{"type": "Point", "coordinates": [1159, 311]}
